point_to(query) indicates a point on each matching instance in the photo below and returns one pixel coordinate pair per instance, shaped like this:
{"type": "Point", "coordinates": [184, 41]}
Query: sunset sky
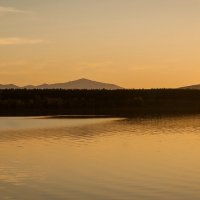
{"type": "Point", "coordinates": [132, 43]}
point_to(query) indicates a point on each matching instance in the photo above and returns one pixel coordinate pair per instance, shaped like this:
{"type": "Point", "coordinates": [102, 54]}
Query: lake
{"type": "Point", "coordinates": [100, 159]}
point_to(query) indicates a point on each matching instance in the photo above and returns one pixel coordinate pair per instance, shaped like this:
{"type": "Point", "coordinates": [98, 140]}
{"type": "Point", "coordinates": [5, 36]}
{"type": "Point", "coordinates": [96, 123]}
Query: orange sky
{"type": "Point", "coordinates": [132, 43]}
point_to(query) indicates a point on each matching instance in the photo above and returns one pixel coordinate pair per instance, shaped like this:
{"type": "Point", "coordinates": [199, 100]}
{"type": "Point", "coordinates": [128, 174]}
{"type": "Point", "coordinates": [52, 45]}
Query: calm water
{"type": "Point", "coordinates": [100, 159]}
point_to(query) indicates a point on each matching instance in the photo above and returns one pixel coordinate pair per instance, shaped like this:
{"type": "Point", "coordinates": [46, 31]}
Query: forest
{"type": "Point", "coordinates": [23, 102]}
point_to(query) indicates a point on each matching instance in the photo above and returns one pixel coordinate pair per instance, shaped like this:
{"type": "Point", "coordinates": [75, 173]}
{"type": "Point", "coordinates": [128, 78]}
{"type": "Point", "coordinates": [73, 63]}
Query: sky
{"type": "Point", "coordinates": [132, 43]}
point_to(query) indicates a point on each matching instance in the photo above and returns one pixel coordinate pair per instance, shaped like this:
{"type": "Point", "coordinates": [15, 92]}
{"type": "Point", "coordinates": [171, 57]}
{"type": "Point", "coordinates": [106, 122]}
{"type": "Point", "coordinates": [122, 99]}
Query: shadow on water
{"type": "Point", "coordinates": [84, 159]}
{"type": "Point", "coordinates": [89, 129]}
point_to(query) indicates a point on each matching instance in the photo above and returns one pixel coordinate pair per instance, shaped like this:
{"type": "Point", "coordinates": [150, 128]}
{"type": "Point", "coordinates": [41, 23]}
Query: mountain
{"type": "Point", "coordinates": [77, 84]}
{"type": "Point", "coordinates": [9, 86]}
{"type": "Point", "coordinates": [192, 87]}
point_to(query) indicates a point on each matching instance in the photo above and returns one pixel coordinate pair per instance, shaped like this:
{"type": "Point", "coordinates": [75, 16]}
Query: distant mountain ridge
{"type": "Point", "coordinates": [77, 84]}
{"type": "Point", "coordinates": [192, 87]}
{"type": "Point", "coordinates": [8, 86]}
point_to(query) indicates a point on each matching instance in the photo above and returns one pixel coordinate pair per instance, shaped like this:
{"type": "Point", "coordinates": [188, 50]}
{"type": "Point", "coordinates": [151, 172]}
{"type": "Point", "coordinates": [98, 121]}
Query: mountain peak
{"type": "Point", "coordinates": [82, 83]}
{"type": "Point", "coordinates": [83, 79]}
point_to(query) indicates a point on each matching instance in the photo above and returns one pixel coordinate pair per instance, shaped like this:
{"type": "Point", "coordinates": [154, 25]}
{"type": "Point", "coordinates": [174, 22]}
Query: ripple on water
{"type": "Point", "coordinates": [101, 159]}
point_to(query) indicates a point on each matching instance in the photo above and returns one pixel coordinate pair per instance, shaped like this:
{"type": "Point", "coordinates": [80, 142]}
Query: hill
{"type": "Point", "coordinates": [9, 86]}
{"type": "Point", "coordinates": [192, 87]}
{"type": "Point", "coordinates": [77, 84]}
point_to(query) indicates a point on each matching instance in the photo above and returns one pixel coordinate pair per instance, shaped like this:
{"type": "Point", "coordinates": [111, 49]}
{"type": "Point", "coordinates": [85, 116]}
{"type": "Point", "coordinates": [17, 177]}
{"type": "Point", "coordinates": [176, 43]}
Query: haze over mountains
{"type": "Point", "coordinates": [9, 86]}
{"type": "Point", "coordinates": [77, 84]}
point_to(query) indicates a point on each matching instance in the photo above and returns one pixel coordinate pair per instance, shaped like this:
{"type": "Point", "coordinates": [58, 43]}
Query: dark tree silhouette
{"type": "Point", "coordinates": [98, 102]}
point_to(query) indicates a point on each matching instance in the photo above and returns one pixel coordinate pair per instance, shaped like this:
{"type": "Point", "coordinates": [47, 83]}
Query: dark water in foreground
{"type": "Point", "coordinates": [100, 159]}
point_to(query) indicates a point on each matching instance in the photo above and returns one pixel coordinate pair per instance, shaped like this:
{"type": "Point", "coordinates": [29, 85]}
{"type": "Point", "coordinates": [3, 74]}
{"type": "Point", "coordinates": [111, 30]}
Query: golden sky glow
{"type": "Point", "coordinates": [133, 43]}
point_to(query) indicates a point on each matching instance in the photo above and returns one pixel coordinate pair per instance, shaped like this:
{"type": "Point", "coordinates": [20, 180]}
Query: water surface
{"type": "Point", "coordinates": [101, 159]}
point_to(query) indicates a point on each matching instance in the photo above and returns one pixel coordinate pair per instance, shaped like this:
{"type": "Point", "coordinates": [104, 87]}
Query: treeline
{"type": "Point", "coordinates": [98, 102]}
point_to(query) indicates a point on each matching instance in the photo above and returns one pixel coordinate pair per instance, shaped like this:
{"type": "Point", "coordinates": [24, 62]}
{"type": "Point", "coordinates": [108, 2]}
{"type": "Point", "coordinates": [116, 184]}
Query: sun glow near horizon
{"type": "Point", "coordinates": [132, 43]}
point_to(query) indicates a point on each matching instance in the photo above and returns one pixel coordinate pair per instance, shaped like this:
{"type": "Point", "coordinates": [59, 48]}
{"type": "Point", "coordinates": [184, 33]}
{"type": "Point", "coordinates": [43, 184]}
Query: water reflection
{"type": "Point", "coordinates": [150, 158]}
{"type": "Point", "coordinates": [88, 129]}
